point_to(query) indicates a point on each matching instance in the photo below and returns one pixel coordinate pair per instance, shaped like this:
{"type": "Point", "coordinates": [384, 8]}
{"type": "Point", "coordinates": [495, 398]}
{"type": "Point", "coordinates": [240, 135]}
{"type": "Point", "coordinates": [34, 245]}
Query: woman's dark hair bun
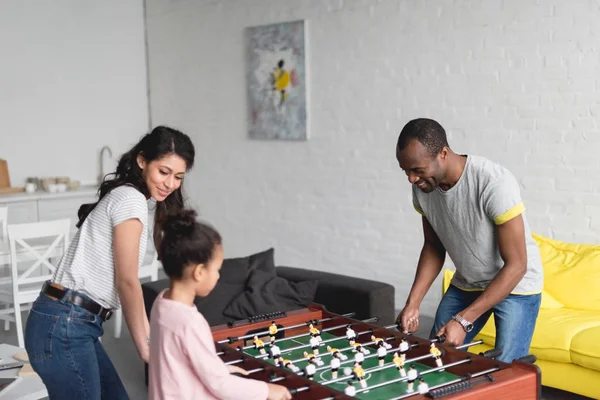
{"type": "Point", "coordinates": [180, 223]}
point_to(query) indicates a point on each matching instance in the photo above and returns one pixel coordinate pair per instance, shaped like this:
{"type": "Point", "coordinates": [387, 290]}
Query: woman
{"type": "Point", "coordinates": [99, 272]}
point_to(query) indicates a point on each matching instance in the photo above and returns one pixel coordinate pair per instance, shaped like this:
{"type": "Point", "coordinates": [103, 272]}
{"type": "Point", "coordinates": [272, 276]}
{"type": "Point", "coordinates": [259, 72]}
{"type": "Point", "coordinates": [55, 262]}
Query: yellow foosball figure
{"type": "Point", "coordinates": [259, 345]}
{"type": "Point", "coordinates": [314, 332]}
{"type": "Point", "coordinates": [359, 374]}
{"type": "Point", "coordinates": [437, 355]}
{"type": "Point", "coordinates": [399, 361]}
{"type": "Point", "coordinates": [273, 331]}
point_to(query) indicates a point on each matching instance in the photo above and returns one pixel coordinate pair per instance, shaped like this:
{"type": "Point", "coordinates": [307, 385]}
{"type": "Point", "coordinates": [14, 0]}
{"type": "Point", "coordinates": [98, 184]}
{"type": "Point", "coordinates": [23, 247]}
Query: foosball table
{"type": "Point", "coordinates": [317, 354]}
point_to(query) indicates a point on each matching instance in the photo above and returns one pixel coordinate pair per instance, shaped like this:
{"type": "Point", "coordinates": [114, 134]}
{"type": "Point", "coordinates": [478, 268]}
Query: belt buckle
{"type": "Point", "coordinates": [108, 315]}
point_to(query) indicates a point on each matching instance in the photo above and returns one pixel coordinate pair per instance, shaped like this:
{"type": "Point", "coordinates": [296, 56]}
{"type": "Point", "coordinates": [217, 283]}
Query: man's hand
{"type": "Point", "coordinates": [409, 319]}
{"type": "Point", "coordinates": [455, 333]}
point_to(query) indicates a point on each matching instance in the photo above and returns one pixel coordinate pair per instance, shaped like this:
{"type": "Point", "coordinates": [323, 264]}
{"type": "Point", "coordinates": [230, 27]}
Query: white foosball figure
{"type": "Point", "coordinates": [274, 351]}
{"type": "Point", "coordinates": [423, 387]}
{"type": "Point", "coordinates": [350, 390]}
{"type": "Point", "coordinates": [335, 366]}
{"type": "Point", "coordinates": [412, 377]}
{"type": "Point", "coordinates": [359, 357]}
{"type": "Point", "coordinates": [404, 346]}
{"type": "Point", "coordinates": [381, 353]}
{"type": "Point", "coordinates": [314, 343]}
{"type": "Point", "coordinates": [310, 370]}
{"type": "Point", "coordinates": [350, 335]}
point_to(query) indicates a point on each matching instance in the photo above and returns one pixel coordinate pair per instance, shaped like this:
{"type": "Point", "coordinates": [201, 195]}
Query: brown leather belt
{"type": "Point", "coordinates": [70, 296]}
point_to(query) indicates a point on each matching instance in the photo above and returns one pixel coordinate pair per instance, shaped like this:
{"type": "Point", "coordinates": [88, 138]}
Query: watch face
{"type": "Point", "coordinates": [469, 327]}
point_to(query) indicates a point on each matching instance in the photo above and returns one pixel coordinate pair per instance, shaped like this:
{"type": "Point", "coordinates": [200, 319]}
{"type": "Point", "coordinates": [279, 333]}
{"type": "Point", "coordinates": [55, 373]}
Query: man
{"type": "Point", "coordinates": [472, 209]}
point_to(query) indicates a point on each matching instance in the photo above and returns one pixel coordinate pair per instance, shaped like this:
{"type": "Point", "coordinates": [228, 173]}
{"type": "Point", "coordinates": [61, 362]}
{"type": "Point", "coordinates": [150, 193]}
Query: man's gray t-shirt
{"type": "Point", "coordinates": [464, 218]}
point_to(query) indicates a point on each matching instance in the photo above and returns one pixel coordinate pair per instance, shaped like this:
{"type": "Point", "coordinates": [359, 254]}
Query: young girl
{"type": "Point", "coordinates": [183, 359]}
{"type": "Point", "coordinates": [99, 272]}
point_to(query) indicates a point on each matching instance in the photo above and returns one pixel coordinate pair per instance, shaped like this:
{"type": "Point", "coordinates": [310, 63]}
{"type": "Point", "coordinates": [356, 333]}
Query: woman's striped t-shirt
{"type": "Point", "coordinates": [88, 265]}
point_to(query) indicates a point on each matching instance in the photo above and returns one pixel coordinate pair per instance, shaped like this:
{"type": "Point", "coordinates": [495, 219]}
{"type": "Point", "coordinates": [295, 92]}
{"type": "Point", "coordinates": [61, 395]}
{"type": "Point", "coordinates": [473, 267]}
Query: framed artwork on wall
{"type": "Point", "coordinates": [276, 76]}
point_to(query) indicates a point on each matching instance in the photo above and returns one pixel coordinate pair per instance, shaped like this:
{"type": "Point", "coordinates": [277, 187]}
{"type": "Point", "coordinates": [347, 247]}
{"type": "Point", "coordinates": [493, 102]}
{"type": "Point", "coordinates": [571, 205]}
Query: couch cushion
{"type": "Point", "coordinates": [554, 332]}
{"type": "Point", "coordinates": [585, 348]}
{"type": "Point", "coordinates": [571, 273]}
{"type": "Point", "coordinates": [265, 293]}
{"type": "Point", "coordinates": [237, 270]}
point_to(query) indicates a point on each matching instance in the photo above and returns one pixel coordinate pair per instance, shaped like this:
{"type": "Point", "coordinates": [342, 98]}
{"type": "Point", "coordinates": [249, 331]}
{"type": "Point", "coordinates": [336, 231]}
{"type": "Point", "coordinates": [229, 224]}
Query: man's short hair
{"type": "Point", "coordinates": [427, 131]}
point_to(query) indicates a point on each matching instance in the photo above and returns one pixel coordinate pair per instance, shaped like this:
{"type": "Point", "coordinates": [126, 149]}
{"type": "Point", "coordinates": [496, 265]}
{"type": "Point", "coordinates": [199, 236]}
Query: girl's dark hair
{"type": "Point", "coordinates": [160, 142]}
{"type": "Point", "coordinates": [185, 242]}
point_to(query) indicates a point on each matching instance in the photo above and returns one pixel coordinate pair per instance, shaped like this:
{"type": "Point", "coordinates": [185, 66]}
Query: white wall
{"type": "Point", "coordinates": [72, 79]}
{"type": "Point", "coordinates": [515, 81]}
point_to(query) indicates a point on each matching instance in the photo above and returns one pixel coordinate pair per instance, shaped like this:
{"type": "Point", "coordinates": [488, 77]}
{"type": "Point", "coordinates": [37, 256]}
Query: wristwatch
{"type": "Point", "coordinates": [467, 326]}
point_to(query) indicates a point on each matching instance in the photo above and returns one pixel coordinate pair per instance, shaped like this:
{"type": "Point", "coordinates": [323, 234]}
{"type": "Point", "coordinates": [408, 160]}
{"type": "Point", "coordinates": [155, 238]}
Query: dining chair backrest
{"type": "Point", "coordinates": [3, 224]}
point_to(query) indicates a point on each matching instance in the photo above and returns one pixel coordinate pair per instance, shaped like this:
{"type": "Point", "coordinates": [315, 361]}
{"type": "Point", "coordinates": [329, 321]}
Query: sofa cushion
{"type": "Point", "coordinates": [265, 293]}
{"type": "Point", "coordinates": [571, 273]}
{"type": "Point", "coordinates": [585, 348]}
{"type": "Point", "coordinates": [237, 270]}
{"type": "Point", "coordinates": [554, 331]}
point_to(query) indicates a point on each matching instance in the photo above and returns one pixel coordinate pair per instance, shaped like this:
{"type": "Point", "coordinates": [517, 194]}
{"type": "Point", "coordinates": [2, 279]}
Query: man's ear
{"type": "Point", "coordinates": [141, 161]}
{"type": "Point", "coordinates": [444, 153]}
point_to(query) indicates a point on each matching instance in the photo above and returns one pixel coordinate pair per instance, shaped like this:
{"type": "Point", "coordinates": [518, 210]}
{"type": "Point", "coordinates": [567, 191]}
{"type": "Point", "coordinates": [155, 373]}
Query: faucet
{"type": "Point", "coordinates": [104, 148]}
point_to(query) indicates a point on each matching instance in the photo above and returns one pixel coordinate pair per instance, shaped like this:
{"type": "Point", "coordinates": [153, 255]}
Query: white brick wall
{"type": "Point", "coordinates": [513, 80]}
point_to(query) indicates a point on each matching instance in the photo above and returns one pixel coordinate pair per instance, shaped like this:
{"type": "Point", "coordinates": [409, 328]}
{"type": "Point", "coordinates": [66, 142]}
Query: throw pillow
{"type": "Point", "coordinates": [213, 305]}
{"type": "Point", "coordinates": [265, 293]}
{"type": "Point", "coordinates": [237, 270]}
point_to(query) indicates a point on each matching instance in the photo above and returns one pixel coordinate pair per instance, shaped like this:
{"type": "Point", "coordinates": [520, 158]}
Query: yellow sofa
{"type": "Point", "coordinates": [566, 340]}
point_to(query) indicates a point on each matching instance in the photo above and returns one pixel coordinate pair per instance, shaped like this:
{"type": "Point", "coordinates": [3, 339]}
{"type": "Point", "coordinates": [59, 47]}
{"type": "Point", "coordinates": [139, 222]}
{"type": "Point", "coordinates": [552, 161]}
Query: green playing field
{"type": "Point", "coordinates": [372, 378]}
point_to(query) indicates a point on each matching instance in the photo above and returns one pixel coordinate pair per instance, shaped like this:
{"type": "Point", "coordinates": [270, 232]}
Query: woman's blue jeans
{"type": "Point", "coordinates": [62, 343]}
{"type": "Point", "coordinates": [514, 317]}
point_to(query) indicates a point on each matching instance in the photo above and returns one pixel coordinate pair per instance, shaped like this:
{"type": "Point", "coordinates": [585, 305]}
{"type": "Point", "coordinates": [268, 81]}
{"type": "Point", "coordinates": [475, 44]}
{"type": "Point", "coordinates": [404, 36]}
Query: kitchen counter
{"type": "Point", "coordinates": [84, 190]}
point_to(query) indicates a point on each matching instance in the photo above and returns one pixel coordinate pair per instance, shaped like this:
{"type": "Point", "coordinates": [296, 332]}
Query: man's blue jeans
{"type": "Point", "coordinates": [62, 343]}
{"type": "Point", "coordinates": [514, 317]}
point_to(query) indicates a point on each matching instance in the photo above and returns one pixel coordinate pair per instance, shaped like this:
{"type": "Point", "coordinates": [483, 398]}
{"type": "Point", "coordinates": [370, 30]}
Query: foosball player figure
{"type": "Point", "coordinates": [310, 369]}
{"type": "Point", "coordinates": [359, 374]}
{"type": "Point", "coordinates": [350, 335]}
{"type": "Point", "coordinates": [413, 374]}
{"type": "Point", "coordinates": [288, 364]}
{"type": "Point", "coordinates": [312, 359]}
{"type": "Point", "coordinates": [359, 348]}
{"type": "Point", "coordinates": [423, 386]}
{"type": "Point", "coordinates": [379, 340]}
{"type": "Point", "coordinates": [336, 353]}
{"type": "Point", "coordinates": [335, 365]}
{"type": "Point", "coordinates": [314, 343]}
{"type": "Point", "coordinates": [314, 332]}
{"type": "Point", "coordinates": [259, 345]}
{"type": "Point", "coordinates": [399, 361]}
{"type": "Point", "coordinates": [404, 346]}
{"type": "Point", "coordinates": [350, 390]}
{"type": "Point", "coordinates": [437, 355]}
{"type": "Point", "coordinates": [273, 331]}
{"type": "Point", "coordinates": [274, 351]}
{"type": "Point", "coordinates": [359, 357]}
{"type": "Point", "coordinates": [381, 353]}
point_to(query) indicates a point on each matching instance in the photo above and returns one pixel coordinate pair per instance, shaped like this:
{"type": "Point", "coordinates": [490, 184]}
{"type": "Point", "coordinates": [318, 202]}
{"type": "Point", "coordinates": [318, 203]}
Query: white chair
{"type": "Point", "coordinates": [35, 242]}
{"type": "Point", "coordinates": [3, 224]}
{"type": "Point", "coordinates": [149, 270]}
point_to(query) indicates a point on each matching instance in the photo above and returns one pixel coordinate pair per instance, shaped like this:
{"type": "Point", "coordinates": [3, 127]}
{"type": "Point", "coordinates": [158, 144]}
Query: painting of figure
{"type": "Point", "coordinates": [276, 78]}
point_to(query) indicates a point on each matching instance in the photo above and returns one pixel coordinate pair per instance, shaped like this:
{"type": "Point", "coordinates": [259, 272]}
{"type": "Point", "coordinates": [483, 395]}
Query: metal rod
{"type": "Point", "coordinates": [286, 328]}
